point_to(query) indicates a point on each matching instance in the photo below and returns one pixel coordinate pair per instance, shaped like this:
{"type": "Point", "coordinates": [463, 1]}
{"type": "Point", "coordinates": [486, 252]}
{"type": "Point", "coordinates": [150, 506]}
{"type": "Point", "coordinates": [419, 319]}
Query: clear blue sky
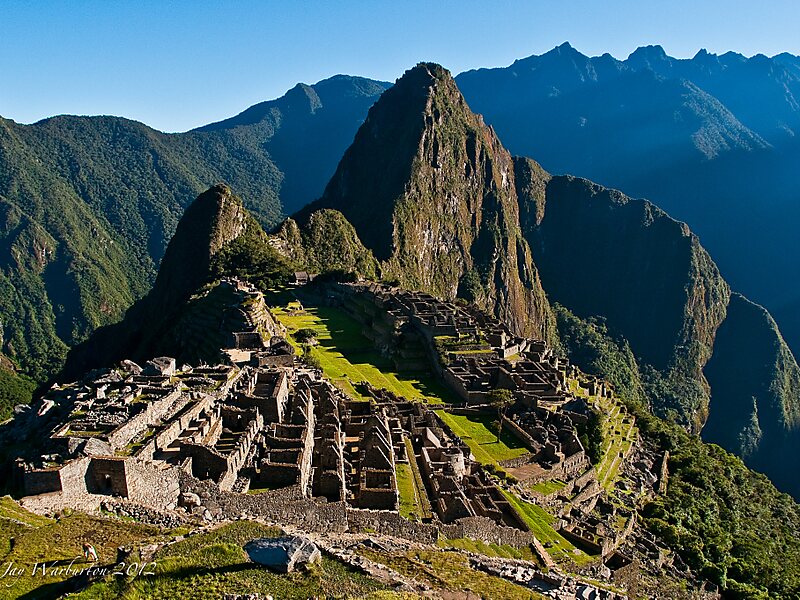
{"type": "Point", "coordinates": [178, 64]}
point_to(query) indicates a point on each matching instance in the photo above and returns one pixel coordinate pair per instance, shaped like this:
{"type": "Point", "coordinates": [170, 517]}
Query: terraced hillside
{"type": "Point", "coordinates": [347, 357]}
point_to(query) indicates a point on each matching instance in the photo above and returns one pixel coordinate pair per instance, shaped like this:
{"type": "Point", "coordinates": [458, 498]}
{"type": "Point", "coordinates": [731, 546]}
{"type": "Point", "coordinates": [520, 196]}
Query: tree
{"type": "Point", "coordinates": [500, 399]}
{"type": "Point", "coordinates": [305, 335]}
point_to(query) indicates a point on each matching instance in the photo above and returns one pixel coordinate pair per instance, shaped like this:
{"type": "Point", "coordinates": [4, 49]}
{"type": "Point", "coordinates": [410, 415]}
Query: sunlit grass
{"type": "Point", "coordinates": [483, 441]}
{"type": "Point", "coordinates": [347, 357]}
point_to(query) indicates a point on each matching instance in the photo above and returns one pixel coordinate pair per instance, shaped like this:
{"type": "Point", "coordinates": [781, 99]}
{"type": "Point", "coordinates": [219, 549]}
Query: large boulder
{"type": "Point", "coordinates": [283, 554]}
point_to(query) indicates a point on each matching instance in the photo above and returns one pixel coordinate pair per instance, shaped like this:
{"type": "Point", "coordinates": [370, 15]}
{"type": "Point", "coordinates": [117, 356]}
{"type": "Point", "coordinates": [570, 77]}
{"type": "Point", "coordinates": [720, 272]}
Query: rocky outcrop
{"type": "Point", "coordinates": [212, 223]}
{"type": "Point", "coordinates": [431, 192]}
{"type": "Point", "coordinates": [214, 219]}
{"type": "Point", "coordinates": [327, 243]}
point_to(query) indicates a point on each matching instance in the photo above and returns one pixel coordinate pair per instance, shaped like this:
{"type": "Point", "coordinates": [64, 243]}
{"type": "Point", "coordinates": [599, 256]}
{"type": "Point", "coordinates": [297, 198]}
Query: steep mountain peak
{"type": "Point", "coordinates": [430, 191]}
{"type": "Point", "coordinates": [704, 58]}
{"type": "Point", "coordinates": [303, 97]}
{"type": "Point", "coordinates": [421, 80]}
{"type": "Point", "coordinates": [648, 57]}
{"type": "Point", "coordinates": [563, 49]}
{"type": "Point", "coordinates": [393, 133]}
{"type": "Point", "coordinates": [216, 236]}
{"type": "Point", "coordinates": [215, 218]}
{"type": "Point", "coordinates": [562, 52]}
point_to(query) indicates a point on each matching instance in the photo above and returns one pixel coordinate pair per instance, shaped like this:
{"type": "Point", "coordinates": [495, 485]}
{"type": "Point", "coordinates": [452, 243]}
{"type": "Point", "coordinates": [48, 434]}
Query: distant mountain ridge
{"type": "Point", "coordinates": [88, 204]}
{"type": "Point", "coordinates": [711, 139]}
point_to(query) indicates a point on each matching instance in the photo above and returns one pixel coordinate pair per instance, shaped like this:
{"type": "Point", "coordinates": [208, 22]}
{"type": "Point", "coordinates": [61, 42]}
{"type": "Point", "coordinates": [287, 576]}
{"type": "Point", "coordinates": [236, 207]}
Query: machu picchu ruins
{"type": "Point", "coordinates": [266, 433]}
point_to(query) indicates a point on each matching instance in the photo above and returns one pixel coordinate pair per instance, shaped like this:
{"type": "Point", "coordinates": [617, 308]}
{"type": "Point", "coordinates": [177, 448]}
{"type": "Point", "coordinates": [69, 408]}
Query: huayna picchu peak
{"type": "Point", "coordinates": [430, 191]}
{"type": "Point", "coordinates": [473, 336]}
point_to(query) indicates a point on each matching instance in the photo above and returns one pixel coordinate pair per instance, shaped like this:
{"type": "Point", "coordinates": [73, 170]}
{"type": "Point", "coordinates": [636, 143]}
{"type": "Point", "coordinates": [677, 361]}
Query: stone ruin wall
{"type": "Point", "coordinates": [519, 432]}
{"type": "Point", "coordinates": [150, 485]}
{"type": "Point", "coordinates": [169, 433]}
{"type": "Point", "coordinates": [289, 506]}
{"type": "Point", "coordinates": [85, 482]}
{"type": "Point", "coordinates": [41, 481]}
{"type": "Point", "coordinates": [153, 413]}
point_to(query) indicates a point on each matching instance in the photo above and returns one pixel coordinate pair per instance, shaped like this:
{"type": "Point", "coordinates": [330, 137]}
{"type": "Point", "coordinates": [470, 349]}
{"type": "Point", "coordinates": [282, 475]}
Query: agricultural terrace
{"type": "Point", "coordinates": [619, 434]}
{"type": "Point", "coordinates": [541, 523]}
{"type": "Point", "coordinates": [346, 356]}
{"type": "Point", "coordinates": [479, 433]}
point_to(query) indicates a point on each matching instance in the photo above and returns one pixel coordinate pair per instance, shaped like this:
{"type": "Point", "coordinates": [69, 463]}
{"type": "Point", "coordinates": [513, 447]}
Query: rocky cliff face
{"type": "Point", "coordinates": [431, 192]}
{"type": "Point", "coordinates": [602, 253]}
{"type": "Point", "coordinates": [755, 404]}
{"type": "Point", "coordinates": [711, 359]}
{"type": "Point", "coordinates": [212, 223]}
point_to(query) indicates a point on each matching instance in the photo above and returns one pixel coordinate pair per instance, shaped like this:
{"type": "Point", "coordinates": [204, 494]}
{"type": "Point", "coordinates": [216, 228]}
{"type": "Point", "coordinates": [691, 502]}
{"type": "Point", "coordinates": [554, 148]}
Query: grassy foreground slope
{"type": "Point", "coordinates": [27, 540]}
{"type": "Point", "coordinates": [209, 565]}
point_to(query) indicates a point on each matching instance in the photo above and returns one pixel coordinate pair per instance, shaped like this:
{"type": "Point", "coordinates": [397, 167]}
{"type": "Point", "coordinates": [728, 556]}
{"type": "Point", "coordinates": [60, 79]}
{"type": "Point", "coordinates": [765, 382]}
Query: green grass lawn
{"type": "Point", "coordinates": [408, 494]}
{"type": "Point", "coordinates": [449, 570]}
{"type": "Point", "coordinates": [56, 542]}
{"type": "Point", "coordinates": [548, 487]}
{"type": "Point", "coordinates": [492, 550]}
{"type": "Point", "coordinates": [347, 357]}
{"type": "Point", "coordinates": [211, 564]}
{"type": "Point", "coordinates": [479, 435]}
{"type": "Point", "coordinates": [205, 566]}
{"type": "Point", "coordinates": [541, 524]}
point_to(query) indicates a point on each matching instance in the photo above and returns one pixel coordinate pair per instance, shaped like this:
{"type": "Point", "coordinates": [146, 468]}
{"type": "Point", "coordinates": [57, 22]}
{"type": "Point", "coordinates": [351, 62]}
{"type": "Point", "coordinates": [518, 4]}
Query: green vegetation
{"type": "Point", "coordinates": [13, 512]}
{"type": "Point", "coordinates": [209, 565]}
{"type": "Point", "coordinates": [548, 487]}
{"type": "Point", "coordinates": [725, 520]}
{"type": "Point", "coordinates": [305, 335]}
{"type": "Point", "coordinates": [409, 504]}
{"type": "Point", "coordinates": [57, 542]}
{"type": "Point", "coordinates": [492, 550]}
{"type": "Point", "coordinates": [589, 345]}
{"type": "Point", "coordinates": [347, 357]}
{"type": "Point", "coordinates": [479, 433]}
{"type": "Point", "coordinates": [449, 570]}
{"type": "Point", "coordinates": [14, 389]}
{"type": "Point", "coordinates": [250, 257]}
{"type": "Point", "coordinates": [541, 523]}
{"type": "Point", "coordinates": [87, 204]}
{"type": "Point", "coordinates": [755, 387]}
{"type": "Point", "coordinates": [327, 243]}
{"type": "Point", "coordinates": [591, 435]}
